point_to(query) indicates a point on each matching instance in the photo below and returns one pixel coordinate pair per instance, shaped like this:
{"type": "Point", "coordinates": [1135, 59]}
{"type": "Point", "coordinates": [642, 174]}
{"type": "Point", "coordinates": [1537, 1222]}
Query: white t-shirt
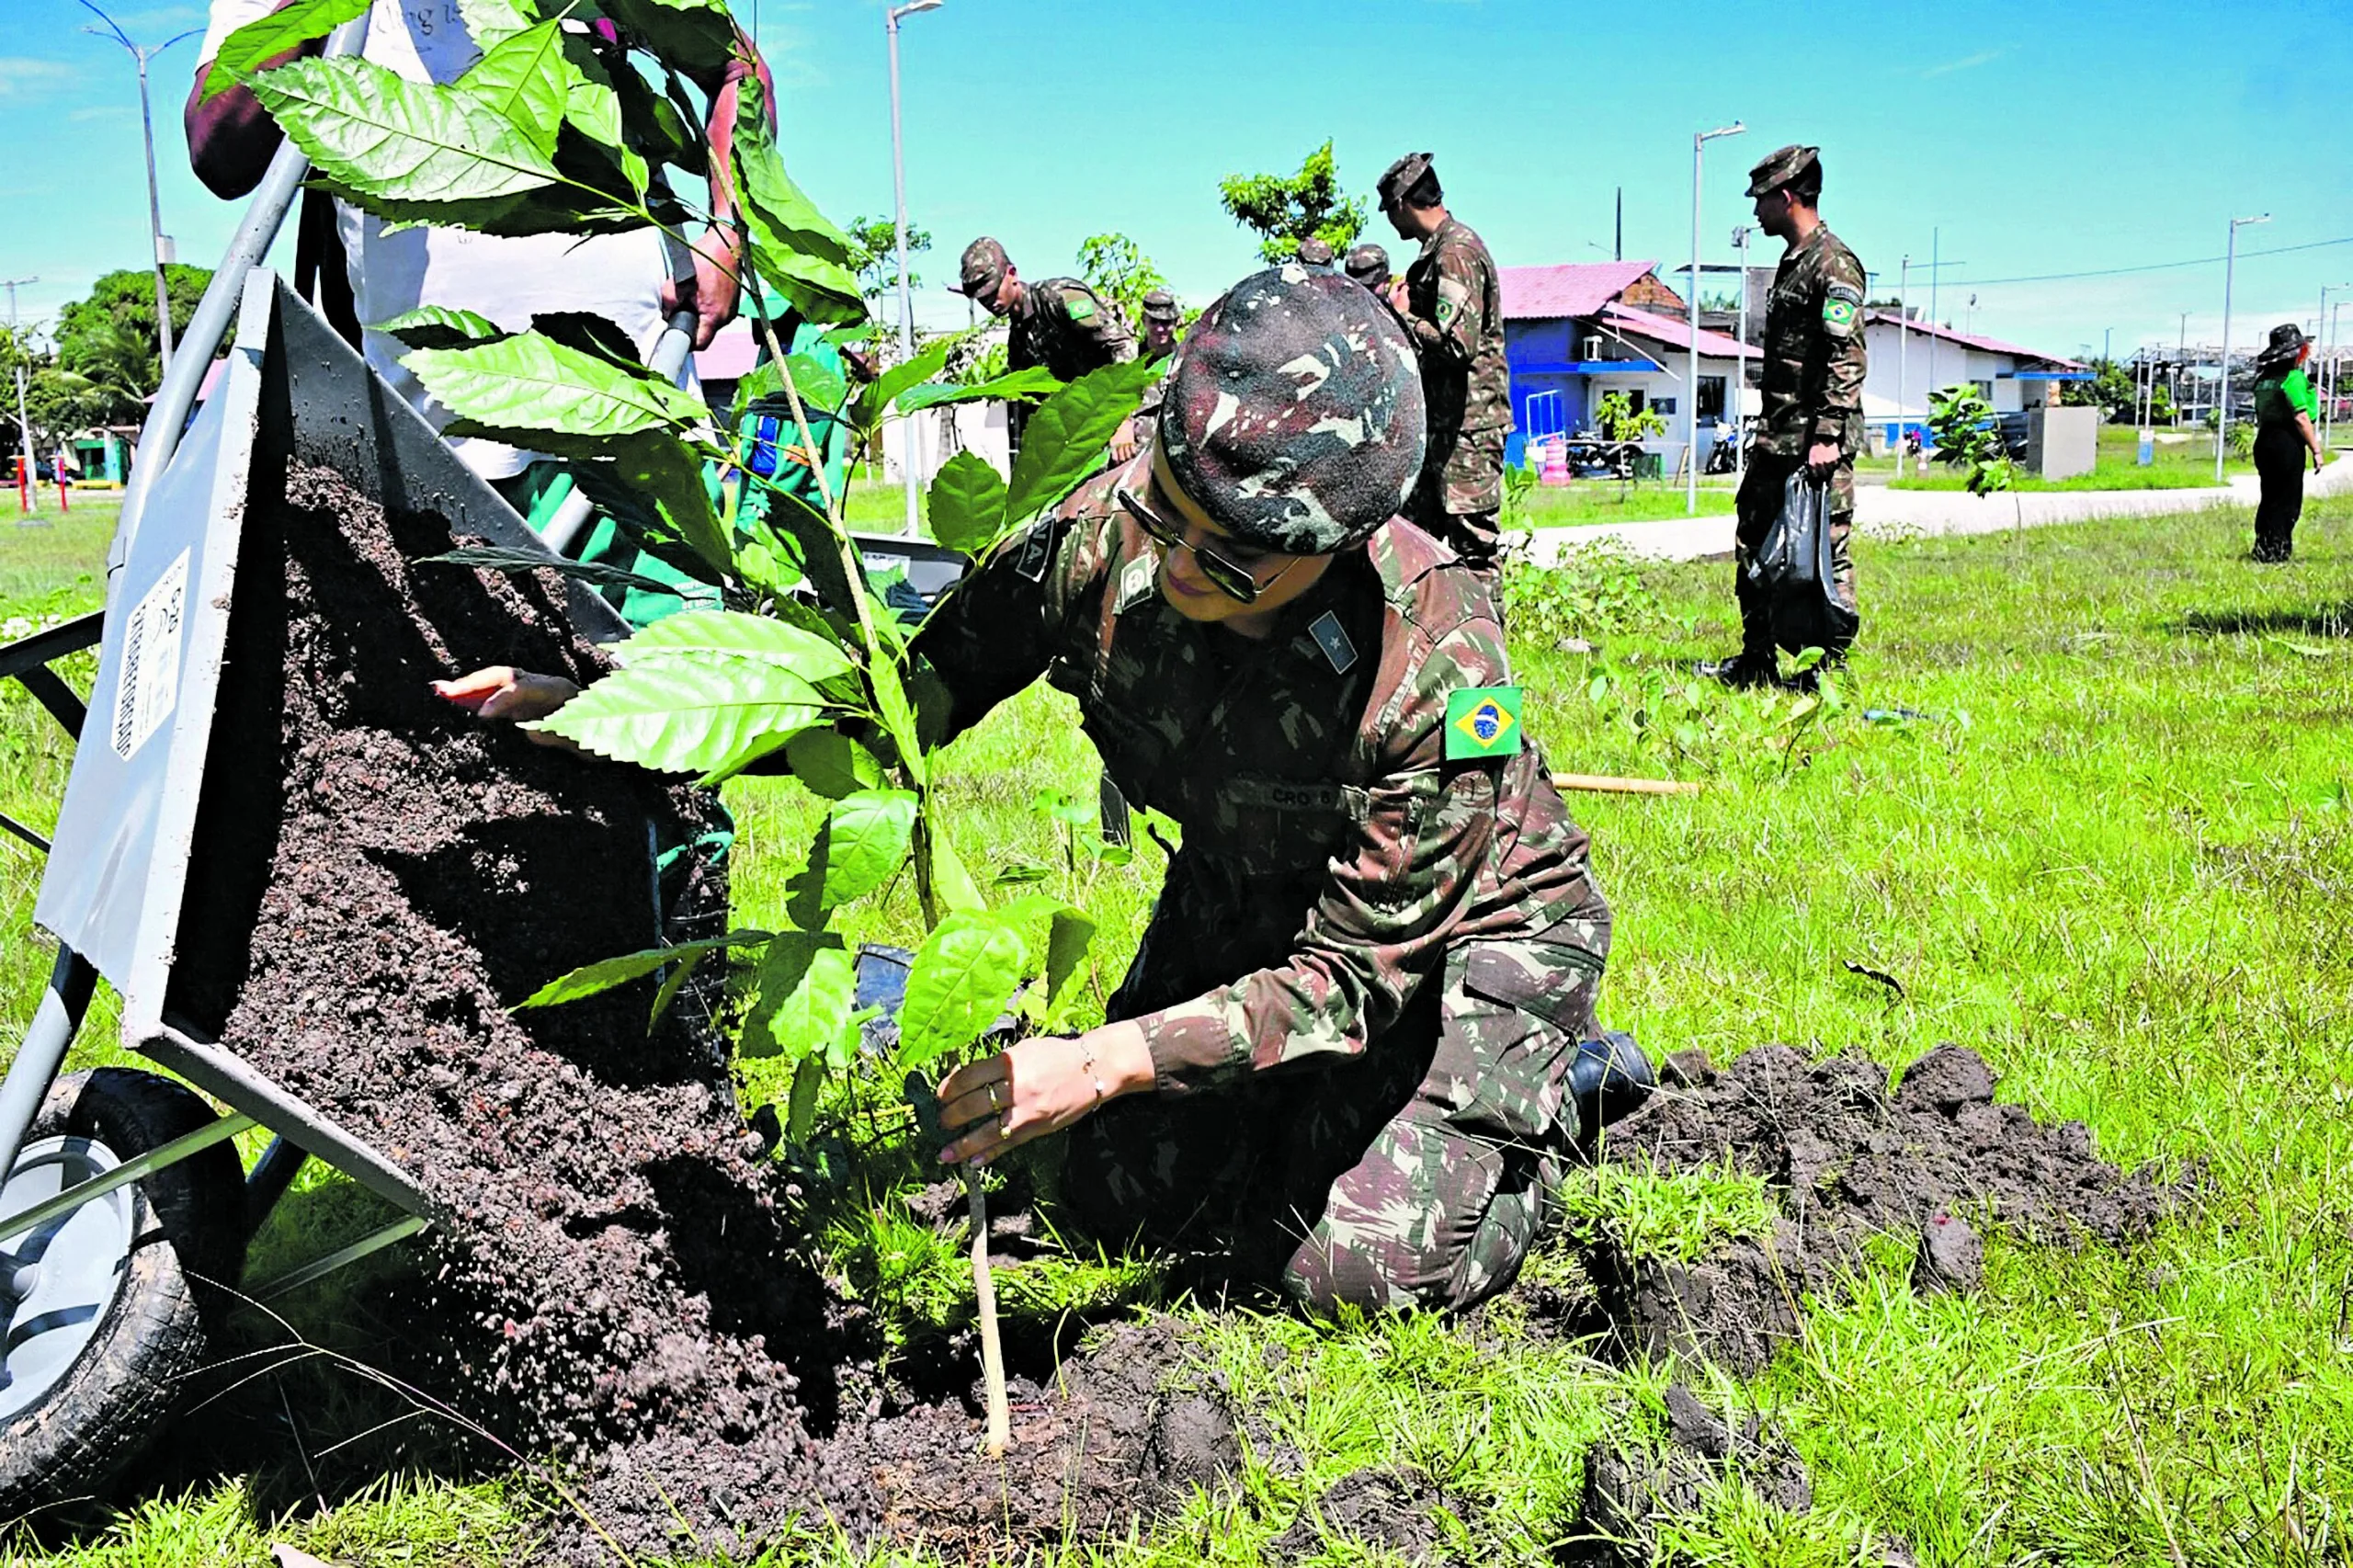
{"type": "Point", "coordinates": [618, 277]}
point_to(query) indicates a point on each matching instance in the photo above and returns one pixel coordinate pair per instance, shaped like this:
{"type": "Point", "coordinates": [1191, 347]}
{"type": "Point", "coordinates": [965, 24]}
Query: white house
{"type": "Point", "coordinates": [1911, 360]}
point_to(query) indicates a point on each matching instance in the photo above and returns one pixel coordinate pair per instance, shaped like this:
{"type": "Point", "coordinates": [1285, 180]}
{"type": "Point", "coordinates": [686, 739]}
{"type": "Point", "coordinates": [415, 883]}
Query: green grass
{"type": "Point", "coordinates": [2177, 465]}
{"type": "Point", "coordinates": [2108, 842]}
{"type": "Point", "coordinates": [1586, 501]}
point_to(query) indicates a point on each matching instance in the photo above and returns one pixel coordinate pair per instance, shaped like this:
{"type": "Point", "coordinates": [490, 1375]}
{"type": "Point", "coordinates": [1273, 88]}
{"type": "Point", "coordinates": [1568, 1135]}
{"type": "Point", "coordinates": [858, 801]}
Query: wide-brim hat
{"type": "Point", "coordinates": [1294, 417]}
{"type": "Point", "coordinates": [2287, 339]}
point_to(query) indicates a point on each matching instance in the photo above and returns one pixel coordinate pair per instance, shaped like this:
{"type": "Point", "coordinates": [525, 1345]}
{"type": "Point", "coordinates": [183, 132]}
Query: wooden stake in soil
{"type": "Point", "coordinates": [992, 1347]}
{"type": "Point", "coordinates": [1602, 783]}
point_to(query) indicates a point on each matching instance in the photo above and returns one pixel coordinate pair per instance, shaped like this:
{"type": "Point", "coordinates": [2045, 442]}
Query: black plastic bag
{"type": "Point", "coordinates": [1793, 564]}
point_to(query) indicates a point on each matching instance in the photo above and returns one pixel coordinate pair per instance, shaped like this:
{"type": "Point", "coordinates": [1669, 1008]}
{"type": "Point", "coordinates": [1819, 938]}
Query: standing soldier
{"type": "Point", "coordinates": [1813, 397]}
{"type": "Point", "coordinates": [1369, 265]}
{"type": "Point", "coordinates": [1061, 323]}
{"type": "Point", "coordinates": [1160, 318]}
{"type": "Point", "coordinates": [1452, 303]}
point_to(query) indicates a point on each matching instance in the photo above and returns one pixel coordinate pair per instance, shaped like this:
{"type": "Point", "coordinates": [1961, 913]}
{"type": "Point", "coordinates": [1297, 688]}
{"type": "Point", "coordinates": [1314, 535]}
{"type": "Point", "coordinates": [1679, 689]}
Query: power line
{"type": "Point", "coordinates": [2154, 266]}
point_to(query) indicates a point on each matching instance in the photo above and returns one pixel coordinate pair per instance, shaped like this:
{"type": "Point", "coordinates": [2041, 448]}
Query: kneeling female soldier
{"type": "Point", "coordinates": [1359, 1033]}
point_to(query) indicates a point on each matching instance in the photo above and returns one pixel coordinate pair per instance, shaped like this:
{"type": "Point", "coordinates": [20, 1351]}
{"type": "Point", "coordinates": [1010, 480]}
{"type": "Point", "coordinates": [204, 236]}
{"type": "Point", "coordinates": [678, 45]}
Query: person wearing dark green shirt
{"type": "Point", "coordinates": [2284, 440]}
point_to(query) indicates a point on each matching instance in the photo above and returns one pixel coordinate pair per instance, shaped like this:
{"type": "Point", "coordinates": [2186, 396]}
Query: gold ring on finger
{"type": "Point", "coordinates": [1005, 1128]}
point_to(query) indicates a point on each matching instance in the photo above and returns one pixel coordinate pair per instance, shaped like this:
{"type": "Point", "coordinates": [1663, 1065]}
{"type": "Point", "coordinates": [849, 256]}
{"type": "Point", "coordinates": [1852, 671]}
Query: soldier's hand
{"type": "Point", "coordinates": [1822, 457]}
{"type": "Point", "coordinates": [1039, 1086]}
{"type": "Point", "coordinates": [1123, 444]}
{"type": "Point", "coordinates": [504, 692]}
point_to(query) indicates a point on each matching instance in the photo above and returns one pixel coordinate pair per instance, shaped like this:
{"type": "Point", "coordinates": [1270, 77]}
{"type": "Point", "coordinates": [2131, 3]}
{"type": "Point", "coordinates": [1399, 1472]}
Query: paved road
{"type": "Point", "coordinates": [1905, 513]}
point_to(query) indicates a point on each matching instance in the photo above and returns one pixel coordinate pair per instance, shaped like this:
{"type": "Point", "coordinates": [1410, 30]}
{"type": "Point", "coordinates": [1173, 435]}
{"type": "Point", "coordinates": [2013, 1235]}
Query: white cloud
{"type": "Point", "coordinates": [22, 76]}
{"type": "Point", "coordinates": [1967, 62]}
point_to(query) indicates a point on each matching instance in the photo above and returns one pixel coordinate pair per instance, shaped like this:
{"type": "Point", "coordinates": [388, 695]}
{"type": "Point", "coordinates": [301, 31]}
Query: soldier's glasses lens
{"type": "Point", "coordinates": [1235, 581]}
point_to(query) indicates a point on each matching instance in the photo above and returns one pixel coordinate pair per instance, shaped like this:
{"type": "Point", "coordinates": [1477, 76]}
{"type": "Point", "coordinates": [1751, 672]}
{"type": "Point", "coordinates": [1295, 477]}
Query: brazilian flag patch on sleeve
{"type": "Point", "coordinates": [1482, 722]}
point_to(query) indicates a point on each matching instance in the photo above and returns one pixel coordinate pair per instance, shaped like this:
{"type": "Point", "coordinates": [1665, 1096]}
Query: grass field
{"type": "Point", "coordinates": [2177, 465]}
{"type": "Point", "coordinates": [2087, 794]}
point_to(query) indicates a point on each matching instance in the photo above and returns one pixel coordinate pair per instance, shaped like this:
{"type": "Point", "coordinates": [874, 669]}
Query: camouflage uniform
{"type": "Point", "coordinates": [1060, 323]}
{"type": "Point", "coordinates": [1159, 306]}
{"type": "Point", "coordinates": [1454, 308]}
{"type": "Point", "coordinates": [1813, 391]}
{"type": "Point", "coordinates": [1369, 968]}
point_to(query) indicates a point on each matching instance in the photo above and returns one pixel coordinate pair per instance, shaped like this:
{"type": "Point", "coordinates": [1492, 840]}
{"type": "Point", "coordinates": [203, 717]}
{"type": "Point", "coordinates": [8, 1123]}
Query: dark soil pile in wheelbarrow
{"type": "Point", "coordinates": [381, 875]}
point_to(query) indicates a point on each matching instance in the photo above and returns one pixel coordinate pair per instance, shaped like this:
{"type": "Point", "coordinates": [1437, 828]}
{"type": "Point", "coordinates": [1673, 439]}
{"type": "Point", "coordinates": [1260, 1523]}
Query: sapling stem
{"type": "Point", "coordinates": [992, 1347]}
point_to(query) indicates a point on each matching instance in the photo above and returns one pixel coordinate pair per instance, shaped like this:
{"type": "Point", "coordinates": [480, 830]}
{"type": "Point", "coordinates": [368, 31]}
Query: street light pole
{"type": "Point", "coordinates": [2223, 390]}
{"type": "Point", "coordinates": [1691, 392]}
{"type": "Point", "coordinates": [2335, 342]}
{"type": "Point", "coordinates": [1740, 383]}
{"type": "Point", "coordinates": [17, 347]}
{"type": "Point", "coordinates": [2180, 352]}
{"type": "Point", "coordinates": [906, 298]}
{"type": "Point", "coordinates": [2326, 333]}
{"type": "Point", "coordinates": [161, 242]}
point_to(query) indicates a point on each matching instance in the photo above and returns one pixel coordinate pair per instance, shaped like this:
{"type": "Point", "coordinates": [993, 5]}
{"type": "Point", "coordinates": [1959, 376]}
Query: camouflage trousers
{"type": "Point", "coordinates": [1417, 1175]}
{"type": "Point", "coordinates": [1460, 498]}
{"type": "Point", "coordinates": [1758, 504]}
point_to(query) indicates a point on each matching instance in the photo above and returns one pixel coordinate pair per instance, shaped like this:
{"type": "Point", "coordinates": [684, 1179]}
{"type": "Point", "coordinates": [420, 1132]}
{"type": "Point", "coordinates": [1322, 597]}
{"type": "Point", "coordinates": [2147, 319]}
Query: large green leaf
{"type": "Point", "coordinates": [967, 503]}
{"type": "Point", "coordinates": [814, 658]}
{"type": "Point", "coordinates": [530, 382]}
{"type": "Point", "coordinates": [876, 396]}
{"type": "Point", "coordinates": [658, 467]}
{"type": "Point", "coordinates": [491, 22]}
{"type": "Point", "coordinates": [1070, 930]}
{"type": "Point", "coordinates": [831, 764]}
{"type": "Point", "coordinates": [1064, 441]}
{"type": "Point", "coordinates": [795, 247]}
{"type": "Point", "coordinates": [526, 79]}
{"type": "Point", "coordinates": [863, 842]}
{"type": "Point", "coordinates": [696, 34]}
{"type": "Point", "coordinates": [439, 326]}
{"type": "Point", "coordinates": [264, 38]}
{"type": "Point", "coordinates": [605, 974]}
{"type": "Point", "coordinates": [1020, 386]}
{"type": "Point", "coordinates": [806, 989]}
{"type": "Point", "coordinates": [375, 133]}
{"type": "Point", "coordinates": [822, 390]}
{"type": "Point", "coordinates": [960, 980]}
{"type": "Point", "coordinates": [688, 713]}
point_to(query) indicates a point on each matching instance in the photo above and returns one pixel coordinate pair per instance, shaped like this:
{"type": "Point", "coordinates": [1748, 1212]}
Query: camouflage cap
{"type": "Point", "coordinates": [985, 267]}
{"type": "Point", "coordinates": [1294, 416]}
{"type": "Point", "coordinates": [1160, 305]}
{"type": "Point", "coordinates": [1314, 252]}
{"type": "Point", "coordinates": [1778, 169]}
{"type": "Point", "coordinates": [1399, 177]}
{"type": "Point", "coordinates": [1369, 265]}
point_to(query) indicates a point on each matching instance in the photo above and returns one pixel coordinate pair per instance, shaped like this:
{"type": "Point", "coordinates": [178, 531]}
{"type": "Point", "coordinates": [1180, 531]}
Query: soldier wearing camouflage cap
{"type": "Point", "coordinates": [1812, 409]}
{"type": "Point", "coordinates": [1161, 317]}
{"type": "Point", "coordinates": [1315, 251]}
{"type": "Point", "coordinates": [1452, 301]}
{"type": "Point", "coordinates": [1369, 265]}
{"type": "Point", "coordinates": [1059, 322]}
{"type": "Point", "coordinates": [1357, 1037]}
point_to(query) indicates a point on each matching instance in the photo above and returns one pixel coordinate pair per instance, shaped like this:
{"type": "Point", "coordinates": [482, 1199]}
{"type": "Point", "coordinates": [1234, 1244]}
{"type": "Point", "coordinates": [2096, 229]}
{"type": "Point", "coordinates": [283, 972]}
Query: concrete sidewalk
{"type": "Point", "coordinates": [1885, 513]}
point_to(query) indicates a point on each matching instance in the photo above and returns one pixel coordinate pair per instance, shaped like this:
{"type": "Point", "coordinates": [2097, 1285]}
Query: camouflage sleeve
{"type": "Point", "coordinates": [1391, 898]}
{"type": "Point", "coordinates": [1457, 323]}
{"type": "Point", "coordinates": [999, 628]}
{"type": "Point", "coordinates": [1099, 324]}
{"type": "Point", "coordinates": [1841, 395]}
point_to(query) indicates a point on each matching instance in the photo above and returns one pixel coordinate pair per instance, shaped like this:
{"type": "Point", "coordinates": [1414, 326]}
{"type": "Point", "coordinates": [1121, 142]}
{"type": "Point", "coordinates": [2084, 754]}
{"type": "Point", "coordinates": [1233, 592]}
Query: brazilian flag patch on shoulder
{"type": "Point", "coordinates": [1080, 307]}
{"type": "Point", "coordinates": [1482, 722]}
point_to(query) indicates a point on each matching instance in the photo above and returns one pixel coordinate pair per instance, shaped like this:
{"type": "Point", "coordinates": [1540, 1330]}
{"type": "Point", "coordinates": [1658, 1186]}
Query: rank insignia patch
{"type": "Point", "coordinates": [1483, 723]}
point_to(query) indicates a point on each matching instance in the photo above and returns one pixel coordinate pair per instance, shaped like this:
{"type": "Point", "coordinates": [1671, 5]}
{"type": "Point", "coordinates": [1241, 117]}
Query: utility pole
{"type": "Point", "coordinates": [2180, 353]}
{"type": "Point", "coordinates": [162, 242]}
{"type": "Point", "coordinates": [2222, 391]}
{"type": "Point", "coordinates": [2322, 330]}
{"type": "Point", "coordinates": [1618, 252]}
{"type": "Point", "coordinates": [906, 299]}
{"type": "Point", "coordinates": [1691, 391]}
{"type": "Point", "coordinates": [17, 347]}
{"type": "Point", "coordinates": [1740, 232]}
{"type": "Point", "coordinates": [1903, 338]}
{"type": "Point", "coordinates": [2336, 344]}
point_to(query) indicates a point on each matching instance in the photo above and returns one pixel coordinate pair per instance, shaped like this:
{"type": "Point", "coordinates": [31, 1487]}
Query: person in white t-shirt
{"type": "Point", "coordinates": [624, 278]}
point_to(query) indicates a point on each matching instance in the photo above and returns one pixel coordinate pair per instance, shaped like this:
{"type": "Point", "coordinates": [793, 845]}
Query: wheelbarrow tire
{"type": "Point", "coordinates": [188, 1241]}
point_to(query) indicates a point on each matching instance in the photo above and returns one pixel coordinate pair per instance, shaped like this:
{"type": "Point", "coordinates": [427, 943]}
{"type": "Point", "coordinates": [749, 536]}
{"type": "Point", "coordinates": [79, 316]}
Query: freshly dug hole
{"type": "Point", "coordinates": [613, 1277]}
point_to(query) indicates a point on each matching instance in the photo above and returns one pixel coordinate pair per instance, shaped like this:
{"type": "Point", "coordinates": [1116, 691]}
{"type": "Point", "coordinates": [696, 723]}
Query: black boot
{"type": "Point", "coordinates": [1742, 672]}
{"type": "Point", "coordinates": [1610, 1078]}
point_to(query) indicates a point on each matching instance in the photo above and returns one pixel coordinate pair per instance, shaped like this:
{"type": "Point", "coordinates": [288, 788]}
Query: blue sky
{"type": "Point", "coordinates": [2032, 139]}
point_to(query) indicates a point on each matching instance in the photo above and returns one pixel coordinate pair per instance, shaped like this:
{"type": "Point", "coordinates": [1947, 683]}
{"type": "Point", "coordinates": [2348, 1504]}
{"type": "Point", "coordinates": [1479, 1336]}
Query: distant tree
{"type": "Point", "coordinates": [60, 404]}
{"type": "Point", "coordinates": [94, 335]}
{"type": "Point", "coordinates": [874, 257]}
{"type": "Point", "coordinates": [2110, 391]}
{"type": "Point", "coordinates": [1116, 267]}
{"type": "Point", "coordinates": [1283, 210]}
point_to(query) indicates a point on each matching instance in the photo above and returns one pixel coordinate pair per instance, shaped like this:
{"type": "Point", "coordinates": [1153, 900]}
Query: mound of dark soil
{"type": "Point", "coordinates": [612, 1278]}
{"type": "Point", "coordinates": [1393, 1509]}
{"type": "Point", "coordinates": [1631, 1488]}
{"type": "Point", "coordinates": [1845, 1161]}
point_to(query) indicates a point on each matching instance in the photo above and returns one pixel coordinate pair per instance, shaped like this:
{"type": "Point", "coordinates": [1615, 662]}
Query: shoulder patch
{"type": "Point", "coordinates": [1837, 315]}
{"type": "Point", "coordinates": [1333, 638]}
{"type": "Point", "coordinates": [1080, 307]}
{"type": "Point", "coordinates": [1482, 722]}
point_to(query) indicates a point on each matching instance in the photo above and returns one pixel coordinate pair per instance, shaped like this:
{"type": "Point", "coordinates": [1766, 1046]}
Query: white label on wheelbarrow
{"type": "Point", "coordinates": [149, 687]}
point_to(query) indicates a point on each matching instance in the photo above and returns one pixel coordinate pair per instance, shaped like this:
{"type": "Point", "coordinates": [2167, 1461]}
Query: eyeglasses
{"type": "Point", "coordinates": [1232, 578]}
